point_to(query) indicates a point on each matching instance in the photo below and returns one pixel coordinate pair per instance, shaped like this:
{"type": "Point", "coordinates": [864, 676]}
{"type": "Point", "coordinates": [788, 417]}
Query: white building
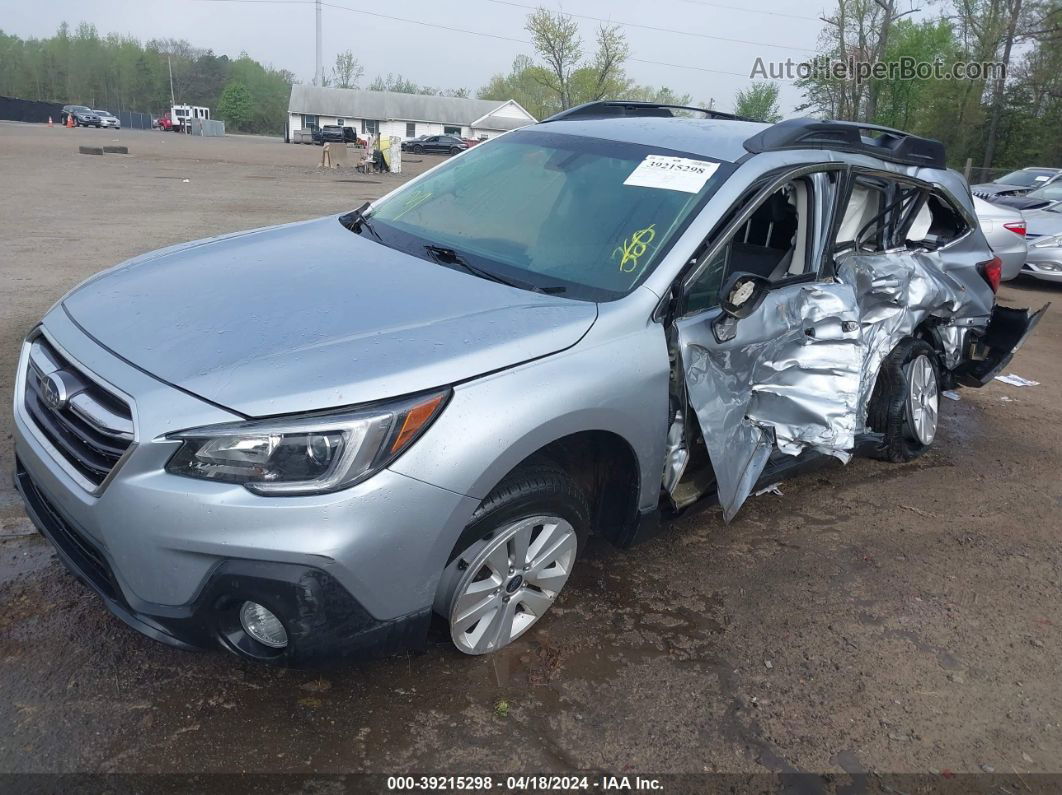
{"type": "Point", "coordinates": [404, 115]}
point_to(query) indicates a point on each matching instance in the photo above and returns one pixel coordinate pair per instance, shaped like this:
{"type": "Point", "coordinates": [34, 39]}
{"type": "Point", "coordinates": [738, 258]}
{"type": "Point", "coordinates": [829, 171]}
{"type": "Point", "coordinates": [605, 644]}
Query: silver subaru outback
{"type": "Point", "coordinates": [308, 440]}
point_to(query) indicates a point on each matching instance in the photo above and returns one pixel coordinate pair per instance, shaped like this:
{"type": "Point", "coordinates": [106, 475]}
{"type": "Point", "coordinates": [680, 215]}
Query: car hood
{"type": "Point", "coordinates": [311, 316]}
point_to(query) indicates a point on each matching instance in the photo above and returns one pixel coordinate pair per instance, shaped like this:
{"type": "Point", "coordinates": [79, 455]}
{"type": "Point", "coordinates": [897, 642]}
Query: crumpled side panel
{"type": "Point", "coordinates": [790, 378]}
{"type": "Point", "coordinates": [895, 294]}
{"type": "Point", "coordinates": [800, 372]}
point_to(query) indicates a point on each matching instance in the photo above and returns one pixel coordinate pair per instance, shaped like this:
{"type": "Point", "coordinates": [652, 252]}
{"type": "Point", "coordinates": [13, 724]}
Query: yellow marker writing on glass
{"type": "Point", "coordinates": [634, 247]}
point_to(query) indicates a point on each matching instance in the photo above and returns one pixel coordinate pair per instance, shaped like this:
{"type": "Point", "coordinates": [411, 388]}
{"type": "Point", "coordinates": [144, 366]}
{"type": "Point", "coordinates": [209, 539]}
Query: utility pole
{"type": "Point", "coordinates": [318, 76]}
{"type": "Point", "coordinates": [169, 64]}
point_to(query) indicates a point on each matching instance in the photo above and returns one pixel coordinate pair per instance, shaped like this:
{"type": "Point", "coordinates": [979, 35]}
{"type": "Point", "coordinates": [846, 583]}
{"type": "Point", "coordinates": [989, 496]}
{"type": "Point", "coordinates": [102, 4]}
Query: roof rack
{"type": "Point", "coordinates": [847, 136]}
{"type": "Point", "coordinates": [617, 107]}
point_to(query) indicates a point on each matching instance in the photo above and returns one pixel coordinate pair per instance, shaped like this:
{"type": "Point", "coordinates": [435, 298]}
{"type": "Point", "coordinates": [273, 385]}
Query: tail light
{"type": "Point", "coordinates": [1018, 227]}
{"type": "Point", "coordinates": [993, 272]}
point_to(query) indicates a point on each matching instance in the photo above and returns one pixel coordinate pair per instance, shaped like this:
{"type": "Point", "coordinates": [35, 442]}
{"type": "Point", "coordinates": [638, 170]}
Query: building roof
{"type": "Point", "coordinates": [394, 106]}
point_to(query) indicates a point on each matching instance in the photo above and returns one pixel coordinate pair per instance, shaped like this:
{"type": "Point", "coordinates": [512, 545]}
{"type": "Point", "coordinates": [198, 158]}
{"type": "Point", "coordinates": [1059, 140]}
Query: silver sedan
{"type": "Point", "coordinates": [1045, 244]}
{"type": "Point", "coordinates": [1004, 228]}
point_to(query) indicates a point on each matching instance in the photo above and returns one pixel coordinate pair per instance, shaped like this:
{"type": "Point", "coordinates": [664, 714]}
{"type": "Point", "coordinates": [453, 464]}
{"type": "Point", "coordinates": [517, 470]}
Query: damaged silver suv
{"type": "Point", "coordinates": [306, 440]}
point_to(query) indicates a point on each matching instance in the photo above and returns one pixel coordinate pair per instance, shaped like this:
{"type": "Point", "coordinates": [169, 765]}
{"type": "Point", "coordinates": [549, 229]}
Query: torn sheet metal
{"type": "Point", "coordinates": [800, 372]}
{"type": "Point", "coordinates": [789, 379]}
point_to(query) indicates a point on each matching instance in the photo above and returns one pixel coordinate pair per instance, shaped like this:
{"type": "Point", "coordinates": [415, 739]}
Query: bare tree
{"type": "Point", "coordinates": [347, 71]}
{"type": "Point", "coordinates": [556, 38]}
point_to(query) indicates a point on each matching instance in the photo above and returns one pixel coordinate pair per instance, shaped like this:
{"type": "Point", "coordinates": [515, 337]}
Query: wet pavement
{"type": "Point", "coordinates": [875, 617]}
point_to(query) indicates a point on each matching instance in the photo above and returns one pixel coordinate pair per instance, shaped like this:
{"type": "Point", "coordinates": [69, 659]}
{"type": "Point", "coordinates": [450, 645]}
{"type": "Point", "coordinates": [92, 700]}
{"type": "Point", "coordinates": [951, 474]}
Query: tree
{"type": "Point", "coordinates": [556, 39]}
{"type": "Point", "coordinates": [759, 102]}
{"type": "Point", "coordinates": [236, 106]}
{"type": "Point", "coordinates": [399, 84]}
{"type": "Point", "coordinates": [347, 71]}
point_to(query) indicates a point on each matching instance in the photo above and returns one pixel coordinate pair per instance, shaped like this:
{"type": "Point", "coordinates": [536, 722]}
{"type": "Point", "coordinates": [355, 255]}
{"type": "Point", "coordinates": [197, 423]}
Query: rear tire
{"type": "Point", "coordinates": [905, 405]}
{"type": "Point", "coordinates": [525, 538]}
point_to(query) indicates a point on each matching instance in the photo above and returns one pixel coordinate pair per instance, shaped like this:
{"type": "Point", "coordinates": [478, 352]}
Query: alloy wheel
{"type": "Point", "coordinates": [510, 580]}
{"type": "Point", "coordinates": [923, 399]}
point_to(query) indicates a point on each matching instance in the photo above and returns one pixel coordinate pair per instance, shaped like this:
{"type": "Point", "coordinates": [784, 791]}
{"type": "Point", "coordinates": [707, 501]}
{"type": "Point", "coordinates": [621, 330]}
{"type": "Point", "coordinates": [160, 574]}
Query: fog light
{"type": "Point", "coordinates": [263, 626]}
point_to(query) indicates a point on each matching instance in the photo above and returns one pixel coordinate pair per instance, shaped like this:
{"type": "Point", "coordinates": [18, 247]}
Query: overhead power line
{"type": "Point", "coordinates": [657, 28]}
{"type": "Point", "coordinates": [753, 10]}
{"type": "Point", "coordinates": [483, 34]}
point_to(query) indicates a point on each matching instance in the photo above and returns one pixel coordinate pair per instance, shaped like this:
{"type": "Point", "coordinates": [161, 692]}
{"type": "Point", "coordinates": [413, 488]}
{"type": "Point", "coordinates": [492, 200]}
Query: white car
{"type": "Point", "coordinates": [108, 119]}
{"type": "Point", "coordinates": [1005, 229]}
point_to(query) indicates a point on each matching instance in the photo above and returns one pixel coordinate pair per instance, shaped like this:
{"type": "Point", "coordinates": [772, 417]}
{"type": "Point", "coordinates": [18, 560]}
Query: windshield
{"type": "Point", "coordinates": [582, 217]}
{"type": "Point", "coordinates": [1025, 179]}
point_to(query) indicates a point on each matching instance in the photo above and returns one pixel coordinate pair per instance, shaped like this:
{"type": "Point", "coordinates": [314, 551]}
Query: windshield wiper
{"type": "Point", "coordinates": [447, 256]}
{"type": "Point", "coordinates": [356, 220]}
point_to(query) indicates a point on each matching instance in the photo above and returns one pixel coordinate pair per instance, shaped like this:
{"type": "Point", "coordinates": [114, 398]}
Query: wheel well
{"type": "Point", "coordinates": [605, 467]}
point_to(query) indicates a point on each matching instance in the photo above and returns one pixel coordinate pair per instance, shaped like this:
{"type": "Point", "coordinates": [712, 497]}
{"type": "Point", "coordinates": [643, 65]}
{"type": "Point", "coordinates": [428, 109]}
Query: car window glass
{"type": "Point", "coordinates": [559, 210]}
{"type": "Point", "coordinates": [773, 243]}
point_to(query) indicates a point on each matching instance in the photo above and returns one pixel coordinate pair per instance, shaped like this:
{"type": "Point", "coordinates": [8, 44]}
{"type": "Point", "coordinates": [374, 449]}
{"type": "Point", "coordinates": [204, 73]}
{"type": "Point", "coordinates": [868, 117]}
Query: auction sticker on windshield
{"type": "Point", "coordinates": [672, 173]}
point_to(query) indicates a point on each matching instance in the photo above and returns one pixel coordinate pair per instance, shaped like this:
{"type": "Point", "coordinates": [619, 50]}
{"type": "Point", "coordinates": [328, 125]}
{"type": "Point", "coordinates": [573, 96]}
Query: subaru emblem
{"type": "Point", "coordinates": [53, 391]}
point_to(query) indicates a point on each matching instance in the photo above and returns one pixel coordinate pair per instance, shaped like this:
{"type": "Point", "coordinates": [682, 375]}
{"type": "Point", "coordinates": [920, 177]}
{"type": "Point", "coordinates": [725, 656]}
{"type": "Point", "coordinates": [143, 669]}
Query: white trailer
{"type": "Point", "coordinates": [182, 115]}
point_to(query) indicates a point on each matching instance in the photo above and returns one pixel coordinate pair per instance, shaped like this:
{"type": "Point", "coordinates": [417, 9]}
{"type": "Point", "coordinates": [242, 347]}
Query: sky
{"type": "Point", "coordinates": [706, 48]}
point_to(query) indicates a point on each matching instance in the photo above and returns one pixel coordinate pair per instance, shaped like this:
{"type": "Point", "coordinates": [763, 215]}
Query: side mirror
{"type": "Point", "coordinates": [740, 296]}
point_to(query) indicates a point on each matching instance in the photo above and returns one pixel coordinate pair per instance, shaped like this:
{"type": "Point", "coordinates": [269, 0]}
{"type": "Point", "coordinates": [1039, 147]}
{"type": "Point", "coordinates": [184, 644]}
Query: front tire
{"type": "Point", "coordinates": [526, 536]}
{"type": "Point", "coordinates": [418, 150]}
{"type": "Point", "coordinates": [905, 405]}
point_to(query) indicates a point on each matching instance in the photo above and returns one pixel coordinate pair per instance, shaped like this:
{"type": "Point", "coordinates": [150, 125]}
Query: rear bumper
{"type": "Point", "coordinates": [323, 620]}
{"type": "Point", "coordinates": [1007, 331]}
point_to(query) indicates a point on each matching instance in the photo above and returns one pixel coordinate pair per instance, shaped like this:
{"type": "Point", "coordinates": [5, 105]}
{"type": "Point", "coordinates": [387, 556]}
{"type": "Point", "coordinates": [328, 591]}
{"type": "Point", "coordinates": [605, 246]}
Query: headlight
{"type": "Point", "coordinates": [304, 455]}
{"type": "Point", "coordinates": [1051, 241]}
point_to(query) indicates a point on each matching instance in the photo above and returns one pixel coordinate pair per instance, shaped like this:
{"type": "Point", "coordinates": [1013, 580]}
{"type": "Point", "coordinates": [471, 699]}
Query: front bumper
{"type": "Point", "coordinates": [169, 547]}
{"type": "Point", "coordinates": [1044, 263]}
{"type": "Point", "coordinates": [322, 619]}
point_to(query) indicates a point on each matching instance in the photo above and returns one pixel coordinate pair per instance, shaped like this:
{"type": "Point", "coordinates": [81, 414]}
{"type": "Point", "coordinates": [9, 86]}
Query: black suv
{"type": "Point", "coordinates": [333, 133]}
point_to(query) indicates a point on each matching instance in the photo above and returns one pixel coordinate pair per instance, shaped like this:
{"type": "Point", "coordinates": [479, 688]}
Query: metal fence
{"type": "Point", "coordinates": [211, 128]}
{"type": "Point", "coordinates": [131, 119]}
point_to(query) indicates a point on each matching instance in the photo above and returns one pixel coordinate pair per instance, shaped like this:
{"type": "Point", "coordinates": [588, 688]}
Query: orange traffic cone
{"type": "Point", "coordinates": [50, 121]}
{"type": "Point", "coordinates": [70, 120]}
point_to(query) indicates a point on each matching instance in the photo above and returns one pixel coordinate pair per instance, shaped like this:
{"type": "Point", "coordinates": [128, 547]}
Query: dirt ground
{"type": "Point", "coordinates": [875, 618]}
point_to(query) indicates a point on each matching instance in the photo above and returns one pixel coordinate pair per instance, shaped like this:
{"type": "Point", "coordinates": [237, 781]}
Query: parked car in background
{"type": "Point", "coordinates": [108, 119]}
{"type": "Point", "coordinates": [435, 144]}
{"type": "Point", "coordinates": [83, 116]}
{"type": "Point", "coordinates": [1017, 183]}
{"type": "Point", "coordinates": [563, 332]}
{"type": "Point", "coordinates": [333, 133]}
{"type": "Point", "coordinates": [1045, 244]}
{"type": "Point", "coordinates": [1004, 229]}
{"type": "Point", "coordinates": [1033, 200]}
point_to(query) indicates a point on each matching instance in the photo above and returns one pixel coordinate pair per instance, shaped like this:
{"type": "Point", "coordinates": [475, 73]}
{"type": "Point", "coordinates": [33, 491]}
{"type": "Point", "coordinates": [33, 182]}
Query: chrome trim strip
{"type": "Point", "coordinates": [101, 417]}
{"type": "Point", "coordinates": [35, 432]}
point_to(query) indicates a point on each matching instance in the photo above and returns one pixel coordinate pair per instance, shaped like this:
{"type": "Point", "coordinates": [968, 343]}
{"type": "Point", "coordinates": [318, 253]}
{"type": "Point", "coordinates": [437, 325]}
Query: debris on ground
{"type": "Point", "coordinates": [772, 489]}
{"type": "Point", "coordinates": [1016, 380]}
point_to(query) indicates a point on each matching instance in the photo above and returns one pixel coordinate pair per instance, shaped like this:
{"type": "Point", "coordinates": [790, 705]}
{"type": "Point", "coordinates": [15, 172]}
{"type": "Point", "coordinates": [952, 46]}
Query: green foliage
{"type": "Point", "coordinates": [236, 107]}
{"type": "Point", "coordinates": [119, 73]}
{"type": "Point", "coordinates": [956, 112]}
{"type": "Point", "coordinates": [759, 102]}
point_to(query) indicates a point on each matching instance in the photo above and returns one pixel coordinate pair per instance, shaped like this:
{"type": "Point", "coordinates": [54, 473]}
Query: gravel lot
{"type": "Point", "coordinates": [875, 618]}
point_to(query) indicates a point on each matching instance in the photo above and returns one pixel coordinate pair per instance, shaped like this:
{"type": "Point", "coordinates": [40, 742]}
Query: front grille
{"type": "Point", "coordinates": [86, 558]}
{"type": "Point", "coordinates": [89, 426]}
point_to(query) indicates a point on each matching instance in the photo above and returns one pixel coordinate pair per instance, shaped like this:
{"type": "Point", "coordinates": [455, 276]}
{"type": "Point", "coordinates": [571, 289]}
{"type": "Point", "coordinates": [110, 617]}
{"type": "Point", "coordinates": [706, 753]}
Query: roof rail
{"type": "Point", "coordinates": [620, 107]}
{"type": "Point", "coordinates": [847, 136]}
